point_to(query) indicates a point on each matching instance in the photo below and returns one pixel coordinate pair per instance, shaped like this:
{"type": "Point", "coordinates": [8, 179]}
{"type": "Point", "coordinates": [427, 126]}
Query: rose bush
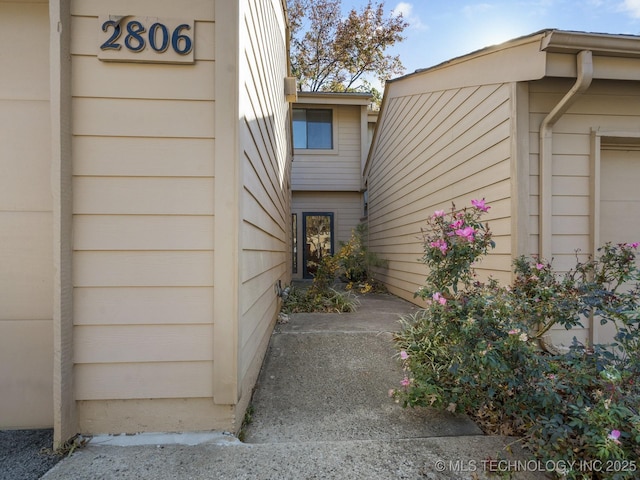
{"type": "Point", "coordinates": [478, 348]}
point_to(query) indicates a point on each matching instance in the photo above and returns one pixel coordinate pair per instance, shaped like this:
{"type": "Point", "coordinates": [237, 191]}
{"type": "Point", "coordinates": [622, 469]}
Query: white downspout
{"type": "Point", "coordinates": [583, 81]}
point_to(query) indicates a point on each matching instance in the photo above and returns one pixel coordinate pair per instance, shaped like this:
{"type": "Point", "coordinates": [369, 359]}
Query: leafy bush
{"type": "Point", "coordinates": [353, 264]}
{"type": "Point", "coordinates": [320, 296]}
{"type": "Point", "coordinates": [479, 348]}
{"type": "Point", "coordinates": [356, 263]}
{"type": "Point", "coordinates": [297, 300]}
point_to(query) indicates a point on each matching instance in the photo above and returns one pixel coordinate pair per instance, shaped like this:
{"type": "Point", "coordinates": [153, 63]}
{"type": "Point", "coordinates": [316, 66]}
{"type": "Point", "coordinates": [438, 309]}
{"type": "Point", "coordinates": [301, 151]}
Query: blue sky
{"type": "Point", "coordinates": [443, 29]}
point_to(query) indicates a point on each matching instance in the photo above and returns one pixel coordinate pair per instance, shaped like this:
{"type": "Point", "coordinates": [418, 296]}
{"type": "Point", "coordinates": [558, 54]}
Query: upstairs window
{"type": "Point", "coordinates": [312, 128]}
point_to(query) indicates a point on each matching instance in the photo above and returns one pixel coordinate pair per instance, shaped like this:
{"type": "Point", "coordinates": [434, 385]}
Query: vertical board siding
{"type": "Point", "coordinates": [143, 166]}
{"type": "Point", "coordinates": [432, 149]}
{"type": "Point", "coordinates": [339, 169]}
{"type": "Point", "coordinates": [265, 167]}
{"type": "Point", "coordinates": [26, 219]}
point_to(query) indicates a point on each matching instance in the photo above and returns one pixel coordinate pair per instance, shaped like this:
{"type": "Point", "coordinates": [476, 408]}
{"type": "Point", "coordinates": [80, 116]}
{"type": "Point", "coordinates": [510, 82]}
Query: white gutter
{"type": "Point", "coordinates": [583, 81]}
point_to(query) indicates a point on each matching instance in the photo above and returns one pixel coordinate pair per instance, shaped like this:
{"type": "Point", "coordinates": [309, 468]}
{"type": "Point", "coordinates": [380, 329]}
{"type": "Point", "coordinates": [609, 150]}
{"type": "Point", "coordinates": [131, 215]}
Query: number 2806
{"type": "Point", "coordinates": [159, 37]}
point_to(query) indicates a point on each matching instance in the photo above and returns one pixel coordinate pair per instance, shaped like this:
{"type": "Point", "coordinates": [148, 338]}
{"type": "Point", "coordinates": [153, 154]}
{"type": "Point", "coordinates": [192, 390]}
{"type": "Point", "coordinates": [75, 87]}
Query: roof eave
{"type": "Point", "coordinates": [562, 41]}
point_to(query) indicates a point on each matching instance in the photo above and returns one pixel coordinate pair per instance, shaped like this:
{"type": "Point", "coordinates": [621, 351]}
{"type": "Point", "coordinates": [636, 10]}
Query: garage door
{"type": "Point", "coordinates": [619, 204]}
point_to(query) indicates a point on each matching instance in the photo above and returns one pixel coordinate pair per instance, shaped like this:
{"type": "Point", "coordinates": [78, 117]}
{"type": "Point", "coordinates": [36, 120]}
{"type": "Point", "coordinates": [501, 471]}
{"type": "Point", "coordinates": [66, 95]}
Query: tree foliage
{"type": "Point", "coordinates": [334, 53]}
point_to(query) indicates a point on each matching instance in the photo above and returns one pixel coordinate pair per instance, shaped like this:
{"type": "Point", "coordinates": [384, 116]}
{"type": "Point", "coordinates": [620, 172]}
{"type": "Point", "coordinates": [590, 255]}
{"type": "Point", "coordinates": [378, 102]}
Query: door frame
{"type": "Point", "coordinates": [303, 237]}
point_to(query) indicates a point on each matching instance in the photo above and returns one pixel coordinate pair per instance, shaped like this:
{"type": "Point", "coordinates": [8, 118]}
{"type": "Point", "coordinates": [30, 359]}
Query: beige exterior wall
{"type": "Point", "coordinates": [347, 209]}
{"type": "Point", "coordinates": [607, 110]}
{"type": "Point", "coordinates": [338, 169]}
{"type": "Point", "coordinates": [265, 199]}
{"type": "Point", "coordinates": [432, 149]}
{"type": "Point", "coordinates": [26, 224]}
{"type": "Point", "coordinates": [143, 185]}
{"type": "Point", "coordinates": [181, 225]}
{"type": "Point", "coordinates": [145, 218]}
{"type": "Point", "coordinates": [331, 181]}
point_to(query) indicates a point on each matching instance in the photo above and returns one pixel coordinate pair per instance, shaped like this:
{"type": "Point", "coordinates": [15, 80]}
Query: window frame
{"type": "Point", "coordinates": [334, 130]}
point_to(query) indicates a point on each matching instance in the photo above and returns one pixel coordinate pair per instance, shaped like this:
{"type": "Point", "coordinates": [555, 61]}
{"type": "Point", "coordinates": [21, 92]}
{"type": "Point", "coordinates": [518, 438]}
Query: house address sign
{"type": "Point", "coordinates": [131, 38]}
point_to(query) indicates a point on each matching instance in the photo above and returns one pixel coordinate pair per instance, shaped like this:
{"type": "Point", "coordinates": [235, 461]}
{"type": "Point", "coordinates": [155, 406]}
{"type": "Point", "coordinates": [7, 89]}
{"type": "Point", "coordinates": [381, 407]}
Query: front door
{"type": "Point", "coordinates": [318, 240]}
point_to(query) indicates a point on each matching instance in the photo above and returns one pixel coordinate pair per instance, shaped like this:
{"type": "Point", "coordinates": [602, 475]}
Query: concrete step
{"type": "Point", "coordinates": [438, 458]}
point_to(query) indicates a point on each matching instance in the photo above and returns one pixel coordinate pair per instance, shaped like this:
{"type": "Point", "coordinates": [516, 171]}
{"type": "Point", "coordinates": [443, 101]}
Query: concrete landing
{"type": "Point", "coordinates": [321, 410]}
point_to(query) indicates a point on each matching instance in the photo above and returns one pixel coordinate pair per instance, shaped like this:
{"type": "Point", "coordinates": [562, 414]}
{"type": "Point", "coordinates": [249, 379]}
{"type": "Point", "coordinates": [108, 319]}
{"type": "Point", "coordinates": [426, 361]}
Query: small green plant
{"type": "Point", "coordinates": [476, 349]}
{"type": "Point", "coordinates": [357, 262]}
{"type": "Point", "coordinates": [353, 263]}
{"type": "Point", "coordinates": [246, 421]}
{"type": "Point", "coordinates": [67, 448]}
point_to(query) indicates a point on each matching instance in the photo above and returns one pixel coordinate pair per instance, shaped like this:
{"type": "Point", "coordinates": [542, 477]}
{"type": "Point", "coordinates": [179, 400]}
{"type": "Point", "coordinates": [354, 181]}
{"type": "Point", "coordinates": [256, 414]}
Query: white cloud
{"type": "Point", "coordinates": [403, 8]}
{"type": "Point", "coordinates": [471, 10]}
{"type": "Point", "coordinates": [632, 6]}
{"type": "Point", "coordinates": [406, 10]}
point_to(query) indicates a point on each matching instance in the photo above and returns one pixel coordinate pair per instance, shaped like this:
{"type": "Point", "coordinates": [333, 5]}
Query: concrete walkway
{"type": "Point", "coordinates": [321, 410]}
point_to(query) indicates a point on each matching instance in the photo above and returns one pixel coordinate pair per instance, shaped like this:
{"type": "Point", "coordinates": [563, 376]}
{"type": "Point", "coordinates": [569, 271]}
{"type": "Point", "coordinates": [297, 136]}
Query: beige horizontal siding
{"type": "Point", "coordinates": [132, 415]}
{"type": "Point", "coordinates": [137, 343]}
{"type": "Point", "coordinates": [347, 209]}
{"type": "Point", "coordinates": [143, 118]}
{"type": "Point", "coordinates": [143, 380]}
{"type": "Point", "coordinates": [143, 232]}
{"type": "Point", "coordinates": [433, 149]}
{"type": "Point", "coordinates": [264, 234]}
{"type": "Point", "coordinates": [105, 79]}
{"type": "Point", "coordinates": [335, 170]}
{"type": "Point", "coordinates": [143, 165]}
{"type": "Point", "coordinates": [143, 157]}
{"type": "Point", "coordinates": [143, 305]}
{"type": "Point", "coordinates": [198, 9]}
{"type": "Point", "coordinates": [143, 269]}
{"type": "Point", "coordinates": [607, 105]}
{"type": "Point", "coordinates": [143, 195]}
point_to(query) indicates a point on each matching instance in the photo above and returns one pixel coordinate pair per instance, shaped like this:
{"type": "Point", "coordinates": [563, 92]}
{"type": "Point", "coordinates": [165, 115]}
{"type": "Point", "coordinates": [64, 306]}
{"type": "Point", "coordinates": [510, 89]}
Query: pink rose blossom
{"type": "Point", "coordinates": [539, 266]}
{"type": "Point", "coordinates": [404, 355]}
{"type": "Point", "coordinates": [437, 297]}
{"type": "Point", "coordinates": [632, 245]}
{"type": "Point", "coordinates": [440, 244]}
{"type": "Point", "coordinates": [615, 435]}
{"type": "Point", "coordinates": [480, 205]}
{"type": "Point", "coordinates": [467, 233]}
{"type": "Point", "coordinates": [405, 382]}
{"type": "Point", "coordinates": [438, 214]}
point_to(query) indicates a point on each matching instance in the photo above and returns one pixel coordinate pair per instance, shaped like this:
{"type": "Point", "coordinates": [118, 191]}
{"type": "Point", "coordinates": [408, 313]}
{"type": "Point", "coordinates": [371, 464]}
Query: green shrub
{"type": "Point", "coordinates": [478, 348]}
{"type": "Point", "coordinates": [353, 263]}
{"type": "Point", "coordinates": [299, 300]}
{"type": "Point", "coordinates": [357, 262]}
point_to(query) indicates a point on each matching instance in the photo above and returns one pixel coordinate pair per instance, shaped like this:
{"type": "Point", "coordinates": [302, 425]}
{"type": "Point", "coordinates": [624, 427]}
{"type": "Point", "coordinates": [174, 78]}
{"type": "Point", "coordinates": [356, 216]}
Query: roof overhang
{"type": "Point", "coordinates": [600, 44]}
{"type": "Point", "coordinates": [537, 55]}
{"type": "Point", "coordinates": [334, 98]}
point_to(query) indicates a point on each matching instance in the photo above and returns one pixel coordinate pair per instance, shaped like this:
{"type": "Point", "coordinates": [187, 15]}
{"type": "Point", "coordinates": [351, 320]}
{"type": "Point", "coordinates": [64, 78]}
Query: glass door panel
{"type": "Point", "coordinates": [318, 239]}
